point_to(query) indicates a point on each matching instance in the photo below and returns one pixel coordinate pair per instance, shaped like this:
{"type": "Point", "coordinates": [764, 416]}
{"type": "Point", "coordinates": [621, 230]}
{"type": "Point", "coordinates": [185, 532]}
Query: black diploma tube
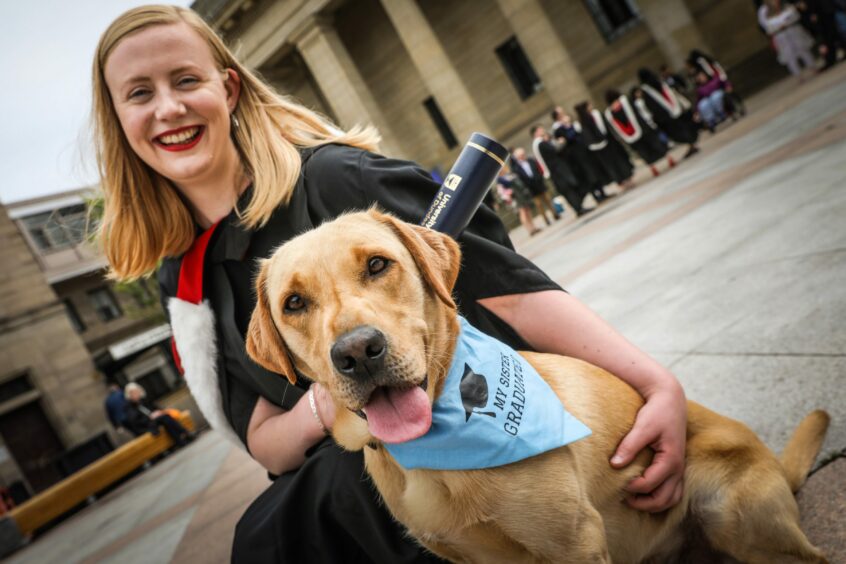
{"type": "Point", "coordinates": [466, 185]}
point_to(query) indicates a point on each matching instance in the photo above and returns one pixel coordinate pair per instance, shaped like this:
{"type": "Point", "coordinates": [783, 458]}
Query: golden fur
{"type": "Point", "coordinates": [565, 505]}
{"type": "Point", "coordinates": [144, 218]}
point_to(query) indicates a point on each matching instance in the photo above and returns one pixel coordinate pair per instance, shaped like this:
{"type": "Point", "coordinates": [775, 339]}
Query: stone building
{"type": "Point", "coordinates": [65, 334]}
{"type": "Point", "coordinates": [427, 73]}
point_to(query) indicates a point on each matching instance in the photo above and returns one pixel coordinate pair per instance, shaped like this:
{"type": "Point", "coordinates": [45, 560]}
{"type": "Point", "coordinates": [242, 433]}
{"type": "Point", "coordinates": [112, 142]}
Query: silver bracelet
{"type": "Point", "coordinates": [313, 406]}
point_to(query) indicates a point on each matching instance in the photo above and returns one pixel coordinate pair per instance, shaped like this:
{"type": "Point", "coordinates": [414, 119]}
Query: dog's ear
{"type": "Point", "coordinates": [264, 343]}
{"type": "Point", "coordinates": [437, 256]}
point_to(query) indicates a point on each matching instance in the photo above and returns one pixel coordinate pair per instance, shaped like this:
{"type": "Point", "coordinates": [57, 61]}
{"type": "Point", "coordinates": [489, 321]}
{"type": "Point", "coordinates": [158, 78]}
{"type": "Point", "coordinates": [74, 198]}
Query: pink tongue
{"type": "Point", "coordinates": [397, 415]}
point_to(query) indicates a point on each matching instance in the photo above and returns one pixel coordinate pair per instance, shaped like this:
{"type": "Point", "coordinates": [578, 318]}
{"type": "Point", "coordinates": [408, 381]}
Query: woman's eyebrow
{"type": "Point", "coordinates": [145, 78]}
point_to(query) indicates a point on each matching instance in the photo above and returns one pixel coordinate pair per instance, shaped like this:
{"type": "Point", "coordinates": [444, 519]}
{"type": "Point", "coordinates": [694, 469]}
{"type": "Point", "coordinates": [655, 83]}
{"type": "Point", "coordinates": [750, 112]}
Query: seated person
{"type": "Point", "coordinates": [710, 100]}
{"type": "Point", "coordinates": [115, 405]}
{"type": "Point", "coordinates": [143, 416]}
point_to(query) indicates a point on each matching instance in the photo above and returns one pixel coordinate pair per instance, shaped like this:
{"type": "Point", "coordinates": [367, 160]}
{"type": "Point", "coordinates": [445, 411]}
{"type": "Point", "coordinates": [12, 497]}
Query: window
{"type": "Point", "coordinates": [14, 387]}
{"type": "Point", "coordinates": [73, 315]}
{"type": "Point", "coordinates": [59, 229]}
{"type": "Point", "coordinates": [440, 122]}
{"type": "Point", "coordinates": [105, 304]}
{"type": "Point", "coordinates": [613, 17]}
{"type": "Point", "coordinates": [519, 69]}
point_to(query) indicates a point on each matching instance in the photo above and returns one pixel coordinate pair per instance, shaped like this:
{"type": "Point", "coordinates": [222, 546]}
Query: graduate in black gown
{"type": "Point", "coordinates": [612, 156]}
{"type": "Point", "coordinates": [672, 112]}
{"type": "Point", "coordinates": [632, 129]}
{"type": "Point", "coordinates": [587, 168]}
{"type": "Point", "coordinates": [548, 155]}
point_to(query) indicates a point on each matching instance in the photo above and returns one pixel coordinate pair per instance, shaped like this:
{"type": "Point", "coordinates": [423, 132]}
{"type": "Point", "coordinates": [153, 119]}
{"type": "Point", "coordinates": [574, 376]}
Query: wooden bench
{"type": "Point", "coordinates": [59, 498]}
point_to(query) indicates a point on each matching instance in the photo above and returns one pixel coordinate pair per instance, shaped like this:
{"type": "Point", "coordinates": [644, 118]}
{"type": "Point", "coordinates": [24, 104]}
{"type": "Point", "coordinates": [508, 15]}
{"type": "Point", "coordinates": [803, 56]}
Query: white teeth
{"type": "Point", "coordinates": [180, 137]}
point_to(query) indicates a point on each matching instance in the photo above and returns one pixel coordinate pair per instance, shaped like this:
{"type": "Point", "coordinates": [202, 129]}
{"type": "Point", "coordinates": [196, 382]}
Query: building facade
{"type": "Point", "coordinates": [66, 333]}
{"type": "Point", "coordinates": [427, 73]}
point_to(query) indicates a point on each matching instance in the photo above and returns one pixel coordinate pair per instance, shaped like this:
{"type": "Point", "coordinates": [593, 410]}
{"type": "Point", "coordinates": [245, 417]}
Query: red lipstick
{"type": "Point", "coordinates": [188, 144]}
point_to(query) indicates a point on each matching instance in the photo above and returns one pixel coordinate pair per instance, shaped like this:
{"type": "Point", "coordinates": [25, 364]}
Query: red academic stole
{"type": "Point", "coordinates": [190, 285]}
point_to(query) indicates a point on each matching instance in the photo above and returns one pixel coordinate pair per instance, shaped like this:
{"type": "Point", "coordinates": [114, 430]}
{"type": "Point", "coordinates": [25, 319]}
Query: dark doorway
{"type": "Point", "coordinates": [33, 443]}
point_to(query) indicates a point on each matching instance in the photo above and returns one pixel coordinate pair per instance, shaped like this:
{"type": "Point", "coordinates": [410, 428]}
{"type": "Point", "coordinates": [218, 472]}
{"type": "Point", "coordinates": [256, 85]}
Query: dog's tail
{"type": "Point", "coordinates": [803, 447]}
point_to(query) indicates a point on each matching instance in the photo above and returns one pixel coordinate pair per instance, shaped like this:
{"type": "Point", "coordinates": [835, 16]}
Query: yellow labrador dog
{"type": "Point", "coordinates": [368, 274]}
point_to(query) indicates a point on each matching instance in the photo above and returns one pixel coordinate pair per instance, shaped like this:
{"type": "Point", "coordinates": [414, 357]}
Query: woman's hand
{"type": "Point", "coordinates": [556, 322]}
{"type": "Point", "coordinates": [661, 425]}
{"type": "Point", "coordinates": [325, 406]}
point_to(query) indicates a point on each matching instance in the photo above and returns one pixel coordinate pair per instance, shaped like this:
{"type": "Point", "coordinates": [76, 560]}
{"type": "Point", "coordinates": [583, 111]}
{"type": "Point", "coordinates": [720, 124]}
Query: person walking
{"type": "Point", "coordinates": [602, 143]}
{"type": "Point", "coordinates": [631, 128]}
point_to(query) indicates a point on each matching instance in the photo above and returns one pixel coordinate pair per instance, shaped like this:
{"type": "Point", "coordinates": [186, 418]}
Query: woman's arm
{"type": "Point", "coordinates": [278, 439]}
{"type": "Point", "coordinates": [553, 321]}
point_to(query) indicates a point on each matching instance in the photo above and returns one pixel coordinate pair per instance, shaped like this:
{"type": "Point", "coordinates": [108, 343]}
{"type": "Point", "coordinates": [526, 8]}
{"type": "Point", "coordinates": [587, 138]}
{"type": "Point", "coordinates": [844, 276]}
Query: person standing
{"type": "Point", "coordinates": [670, 111]}
{"type": "Point", "coordinates": [589, 172]}
{"type": "Point", "coordinates": [529, 173]}
{"type": "Point", "coordinates": [632, 129]}
{"type": "Point", "coordinates": [606, 148]}
{"type": "Point", "coordinates": [115, 406]}
{"type": "Point", "coordinates": [792, 42]}
{"type": "Point", "coordinates": [557, 169]}
{"type": "Point", "coordinates": [514, 193]}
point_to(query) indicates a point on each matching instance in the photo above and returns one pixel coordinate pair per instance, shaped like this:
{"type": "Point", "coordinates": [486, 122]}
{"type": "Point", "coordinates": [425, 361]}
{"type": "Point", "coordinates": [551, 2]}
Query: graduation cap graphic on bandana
{"type": "Point", "coordinates": [494, 409]}
{"type": "Point", "coordinates": [474, 392]}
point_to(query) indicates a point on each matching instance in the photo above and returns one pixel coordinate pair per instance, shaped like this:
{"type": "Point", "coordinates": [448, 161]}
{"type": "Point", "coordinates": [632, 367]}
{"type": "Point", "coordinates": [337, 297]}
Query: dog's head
{"type": "Point", "coordinates": [362, 305]}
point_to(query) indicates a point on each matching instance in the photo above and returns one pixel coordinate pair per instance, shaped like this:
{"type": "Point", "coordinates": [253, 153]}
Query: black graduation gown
{"type": "Point", "coordinates": [327, 510]}
{"type": "Point", "coordinates": [649, 145]}
{"type": "Point", "coordinates": [611, 155]}
{"type": "Point", "coordinates": [588, 170]}
{"type": "Point", "coordinates": [681, 129]}
{"type": "Point", "coordinates": [562, 176]}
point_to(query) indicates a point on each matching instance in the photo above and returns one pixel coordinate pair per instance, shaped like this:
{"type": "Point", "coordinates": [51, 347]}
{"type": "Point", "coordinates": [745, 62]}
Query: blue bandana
{"type": "Point", "coordinates": [495, 409]}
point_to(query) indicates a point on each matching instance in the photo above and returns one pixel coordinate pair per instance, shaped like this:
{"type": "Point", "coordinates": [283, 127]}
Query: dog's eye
{"type": "Point", "coordinates": [376, 265]}
{"type": "Point", "coordinates": [294, 303]}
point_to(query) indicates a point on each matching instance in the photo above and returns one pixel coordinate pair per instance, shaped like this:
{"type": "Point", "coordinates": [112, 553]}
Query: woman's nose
{"type": "Point", "coordinates": [168, 106]}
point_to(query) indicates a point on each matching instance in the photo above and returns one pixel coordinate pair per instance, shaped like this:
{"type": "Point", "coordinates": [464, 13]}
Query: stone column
{"type": "Point", "coordinates": [340, 82]}
{"type": "Point", "coordinates": [550, 58]}
{"type": "Point", "coordinates": [435, 68]}
{"type": "Point", "coordinates": [673, 29]}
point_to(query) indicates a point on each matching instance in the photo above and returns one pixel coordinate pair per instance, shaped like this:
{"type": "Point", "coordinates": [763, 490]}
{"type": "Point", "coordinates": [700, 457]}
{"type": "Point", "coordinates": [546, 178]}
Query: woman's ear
{"type": "Point", "coordinates": [232, 84]}
{"type": "Point", "coordinates": [264, 343]}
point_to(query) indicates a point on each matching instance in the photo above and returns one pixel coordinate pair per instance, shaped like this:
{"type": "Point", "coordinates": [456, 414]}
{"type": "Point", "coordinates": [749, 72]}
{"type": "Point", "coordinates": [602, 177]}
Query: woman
{"type": "Point", "coordinates": [632, 128]}
{"type": "Point", "coordinates": [670, 110]}
{"type": "Point", "coordinates": [602, 143]}
{"type": "Point", "coordinates": [710, 100]}
{"type": "Point", "coordinates": [792, 42]}
{"type": "Point", "coordinates": [189, 141]}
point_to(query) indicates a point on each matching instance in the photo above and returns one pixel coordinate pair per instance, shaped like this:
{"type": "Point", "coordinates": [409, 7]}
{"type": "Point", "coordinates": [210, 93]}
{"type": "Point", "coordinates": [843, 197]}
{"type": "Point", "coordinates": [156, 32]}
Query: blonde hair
{"type": "Point", "coordinates": [144, 217]}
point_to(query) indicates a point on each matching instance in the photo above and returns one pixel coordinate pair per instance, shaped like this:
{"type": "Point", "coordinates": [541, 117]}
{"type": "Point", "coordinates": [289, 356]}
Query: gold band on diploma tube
{"type": "Point", "coordinates": [485, 151]}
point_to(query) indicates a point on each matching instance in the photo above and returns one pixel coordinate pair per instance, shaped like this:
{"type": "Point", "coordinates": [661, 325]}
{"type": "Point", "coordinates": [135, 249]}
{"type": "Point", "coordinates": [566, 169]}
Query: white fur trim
{"type": "Point", "coordinates": [535, 143]}
{"type": "Point", "coordinates": [195, 336]}
{"type": "Point", "coordinates": [600, 125]}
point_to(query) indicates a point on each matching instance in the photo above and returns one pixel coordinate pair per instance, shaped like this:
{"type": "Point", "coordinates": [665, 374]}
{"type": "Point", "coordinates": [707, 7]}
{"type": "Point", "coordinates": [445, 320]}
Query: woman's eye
{"type": "Point", "coordinates": [376, 265]}
{"type": "Point", "coordinates": [187, 81]}
{"type": "Point", "coordinates": [138, 93]}
{"type": "Point", "coordinates": [294, 303]}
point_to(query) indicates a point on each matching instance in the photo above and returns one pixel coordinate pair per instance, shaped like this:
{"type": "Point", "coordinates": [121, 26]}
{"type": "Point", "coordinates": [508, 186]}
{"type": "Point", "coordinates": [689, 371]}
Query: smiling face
{"type": "Point", "coordinates": [173, 102]}
{"type": "Point", "coordinates": [362, 306]}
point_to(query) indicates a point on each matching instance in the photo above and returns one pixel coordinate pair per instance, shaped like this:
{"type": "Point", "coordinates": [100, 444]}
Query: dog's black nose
{"type": "Point", "coordinates": [360, 353]}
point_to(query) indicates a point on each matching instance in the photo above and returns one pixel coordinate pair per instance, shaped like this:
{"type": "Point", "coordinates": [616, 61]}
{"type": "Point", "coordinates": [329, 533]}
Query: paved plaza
{"type": "Point", "coordinates": [730, 269]}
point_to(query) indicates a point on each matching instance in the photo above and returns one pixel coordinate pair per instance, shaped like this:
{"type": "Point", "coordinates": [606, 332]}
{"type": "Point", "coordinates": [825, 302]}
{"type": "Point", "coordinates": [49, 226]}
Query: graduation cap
{"type": "Point", "coordinates": [474, 392]}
